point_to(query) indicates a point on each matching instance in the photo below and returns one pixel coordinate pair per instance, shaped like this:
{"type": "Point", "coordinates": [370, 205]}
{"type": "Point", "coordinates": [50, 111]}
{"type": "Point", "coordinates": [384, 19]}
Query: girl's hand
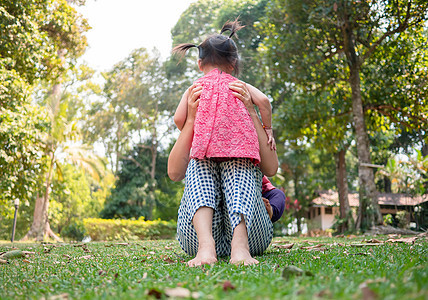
{"type": "Point", "coordinates": [268, 207]}
{"type": "Point", "coordinates": [271, 139]}
{"type": "Point", "coordinates": [240, 91]}
{"type": "Point", "coordinates": [193, 101]}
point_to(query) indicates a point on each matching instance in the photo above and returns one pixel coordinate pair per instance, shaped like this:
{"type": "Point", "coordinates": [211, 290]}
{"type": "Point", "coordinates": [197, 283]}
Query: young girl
{"type": "Point", "coordinates": [223, 127]}
{"type": "Point", "coordinates": [221, 212]}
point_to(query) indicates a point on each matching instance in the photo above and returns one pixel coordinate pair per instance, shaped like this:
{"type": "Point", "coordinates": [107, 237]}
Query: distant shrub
{"type": "Point", "coordinates": [129, 230]}
{"type": "Point", "coordinates": [403, 219]}
{"type": "Point", "coordinates": [388, 219]}
{"type": "Point", "coordinates": [74, 231]}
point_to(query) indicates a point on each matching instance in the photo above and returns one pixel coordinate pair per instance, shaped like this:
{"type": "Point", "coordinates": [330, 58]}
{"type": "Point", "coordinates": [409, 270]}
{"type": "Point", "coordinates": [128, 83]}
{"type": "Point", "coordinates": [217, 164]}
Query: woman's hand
{"type": "Point", "coordinates": [193, 101]}
{"type": "Point", "coordinates": [271, 139]}
{"type": "Point", "coordinates": [240, 91]}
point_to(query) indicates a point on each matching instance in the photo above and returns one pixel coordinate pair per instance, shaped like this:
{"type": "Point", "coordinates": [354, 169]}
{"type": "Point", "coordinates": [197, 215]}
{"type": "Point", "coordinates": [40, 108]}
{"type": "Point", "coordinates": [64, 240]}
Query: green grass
{"type": "Point", "coordinates": [340, 270]}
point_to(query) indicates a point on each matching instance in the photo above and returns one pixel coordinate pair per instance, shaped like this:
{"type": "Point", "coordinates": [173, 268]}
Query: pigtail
{"type": "Point", "coordinates": [182, 49]}
{"type": "Point", "coordinates": [233, 27]}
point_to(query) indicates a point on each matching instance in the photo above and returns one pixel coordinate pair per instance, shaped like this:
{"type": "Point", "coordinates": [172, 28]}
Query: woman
{"type": "Point", "coordinates": [209, 204]}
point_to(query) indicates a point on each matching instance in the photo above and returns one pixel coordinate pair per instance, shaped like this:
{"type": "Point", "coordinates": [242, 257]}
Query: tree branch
{"type": "Point", "coordinates": [401, 27]}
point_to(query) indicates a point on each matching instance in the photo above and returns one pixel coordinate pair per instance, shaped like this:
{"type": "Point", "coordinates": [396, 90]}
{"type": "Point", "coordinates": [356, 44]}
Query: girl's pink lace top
{"type": "Point", "coordinates": [223, 126]}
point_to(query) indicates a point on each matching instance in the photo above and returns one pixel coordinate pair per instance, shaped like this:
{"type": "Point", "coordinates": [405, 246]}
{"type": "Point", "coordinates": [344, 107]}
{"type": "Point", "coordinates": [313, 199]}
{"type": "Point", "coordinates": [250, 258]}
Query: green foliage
{"type": "Point", "coordinates": [33, 34]}
{"type": "Point", "coordinates": [388, 219]}
{"type": "Point", "coordinates": [22, 134]}
{"type": "Point", "coordinates": [131, 197]}
{"type": "Point", "coordinates": [75, 231]}
{"type": "Point", "coordinates": [403, 219]}
{"type": "Point", "coordinates": [129, 230]}
{"type": "Point", "coordinates": [70, 199]}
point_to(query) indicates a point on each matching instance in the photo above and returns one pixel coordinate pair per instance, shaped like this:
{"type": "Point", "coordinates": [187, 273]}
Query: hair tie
{"type": "Point", "coordinates": [201, 52]}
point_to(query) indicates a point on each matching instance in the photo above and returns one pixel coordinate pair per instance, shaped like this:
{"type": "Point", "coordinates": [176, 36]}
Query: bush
{"type": "Point", "coordinates": [75, 231]}
{"type": "Point", "coordinates": [129, 230]}
{"type": "Point", "coordinates": [388, 219]}
{"type": "Point", "coordinates": [403, 219]}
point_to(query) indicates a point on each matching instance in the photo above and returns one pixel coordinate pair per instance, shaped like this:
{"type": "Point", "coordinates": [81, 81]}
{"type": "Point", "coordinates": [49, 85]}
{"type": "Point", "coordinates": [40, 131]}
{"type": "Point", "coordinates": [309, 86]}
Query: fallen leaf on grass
{"type": "Point", "coordinates": [323, 294]}
{"type": "Point", "coordinates": [168, 248]}
{"type": "Point", "coordinates": [374, 241]}
{"type": "Point", "coordinates": [180, 292]}
{"type": "Point", "coordinates": [409, 240]}
{"type": "Point", "coordinates": [59, 297]}
{"type": "Point", "coordinates": [67, 256]}
{"type": "Point", "coordinates": [294, 271]}
{"type": "Point", "coordinates": [366, 244]}
{"type": "Point", "coordinates": [12, 254]}
{"type": "Point", "coordinates": [155, 293]}
{"type": "Point", "coordinates": [368, 294]}
{"type": "Point", "coordinates": [28, 252]}
{"type": "Point", "coordinates": [27, 261]}
{"type": "Point", "coordinates": [2, 261]}
{"type": "Point", "coordinates": [285, 246]}
{"type": "Point", "coordinates": [85, 257]}
{"type": "Point", "coordinates": [394, 235]}
{"type": "Point", "coordinates": [169, 260]}
{"type": "Point", "coordinates": [227, 285]}
{"type": "Point", "coordinates": [122, 244]}
{"type": "Point", "coordinates": [312, 247]}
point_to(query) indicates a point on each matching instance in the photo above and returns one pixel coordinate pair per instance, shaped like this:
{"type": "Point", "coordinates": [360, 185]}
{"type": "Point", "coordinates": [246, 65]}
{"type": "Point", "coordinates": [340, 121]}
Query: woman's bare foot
{"type": "Point", "coordinates": [241, 256]}
{"type": "Point", "coordinates": [240, 252]}
{"type": "Point", "coordinates": [206, 255]}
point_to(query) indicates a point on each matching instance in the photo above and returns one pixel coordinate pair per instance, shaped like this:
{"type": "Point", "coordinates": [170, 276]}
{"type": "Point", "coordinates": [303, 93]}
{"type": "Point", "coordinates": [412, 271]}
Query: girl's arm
{"type": "Point", "coordinates": [181, 111]}
{"type": "Point", "coordinates": [268, 156]}
{"type": "Point", "coordinates": [263, 103]}
{"type": "Point", "coordinates": [180, 154]}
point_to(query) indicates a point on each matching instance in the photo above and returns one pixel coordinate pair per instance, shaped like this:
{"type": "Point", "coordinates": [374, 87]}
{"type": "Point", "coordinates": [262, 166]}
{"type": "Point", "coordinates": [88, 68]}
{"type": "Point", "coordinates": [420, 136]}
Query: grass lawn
{"type": "Point", "coordinates": [334, 268]}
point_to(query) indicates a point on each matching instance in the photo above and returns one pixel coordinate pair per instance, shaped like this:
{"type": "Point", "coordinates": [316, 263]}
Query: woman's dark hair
{"type": "Point", "coordinates": [217, 49]}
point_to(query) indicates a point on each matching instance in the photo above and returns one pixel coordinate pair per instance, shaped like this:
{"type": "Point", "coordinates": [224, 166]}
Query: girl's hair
{"type": "Point", "coordinates": [217, 49]}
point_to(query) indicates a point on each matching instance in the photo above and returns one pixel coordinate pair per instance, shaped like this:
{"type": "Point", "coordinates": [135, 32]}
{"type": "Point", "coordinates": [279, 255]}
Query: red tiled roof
{"type": "Point", "coordinates": [331, 198]}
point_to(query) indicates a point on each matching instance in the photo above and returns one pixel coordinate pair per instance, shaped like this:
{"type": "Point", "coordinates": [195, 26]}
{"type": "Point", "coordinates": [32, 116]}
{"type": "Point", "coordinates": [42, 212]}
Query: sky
{"type": "Point", "coordinates": [120, 26]}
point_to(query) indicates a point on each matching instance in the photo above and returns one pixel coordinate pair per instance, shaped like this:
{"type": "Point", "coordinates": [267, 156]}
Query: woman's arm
{"type": "Point", "coordinates": [181, 111]}
{"type": "Point", "coordinates": [180, 154]}
{"type": "Point", "coordinates": [268, 156]}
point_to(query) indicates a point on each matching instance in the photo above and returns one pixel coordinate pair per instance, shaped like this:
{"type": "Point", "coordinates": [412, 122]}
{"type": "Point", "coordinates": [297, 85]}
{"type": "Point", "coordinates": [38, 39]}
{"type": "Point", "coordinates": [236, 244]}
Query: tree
{"type": "Point", "coordinates": [134, 109]}
{"type": "Point", "coordinates": [29, 52]}
{"type": "Point", "coordinates": [316, 42]}
{"type": "Point", "coordinates": [131, 196]}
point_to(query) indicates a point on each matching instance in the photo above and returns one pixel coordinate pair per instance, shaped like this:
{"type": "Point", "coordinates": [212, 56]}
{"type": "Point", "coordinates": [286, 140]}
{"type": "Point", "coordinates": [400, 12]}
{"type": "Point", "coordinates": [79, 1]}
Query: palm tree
{"type": "Point", "coordinates": [61, 144]}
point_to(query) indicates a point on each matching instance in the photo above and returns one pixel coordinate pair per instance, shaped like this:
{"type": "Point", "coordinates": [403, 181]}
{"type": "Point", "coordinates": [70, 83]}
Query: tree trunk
{"type": "Point", "coordinates": [40, 227]}
{"type": "Point", "coordinates": [154, 152]}
{"type": "Point", "coordinates": [342, 187]}
{"type": "Point", "coordinates": [296, 212]}
{"type": "Point", "coordinates": [368, 211]}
